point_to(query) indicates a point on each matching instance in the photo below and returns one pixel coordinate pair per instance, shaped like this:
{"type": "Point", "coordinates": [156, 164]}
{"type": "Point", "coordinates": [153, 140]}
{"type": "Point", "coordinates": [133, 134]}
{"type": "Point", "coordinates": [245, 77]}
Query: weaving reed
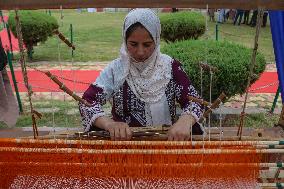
{"type": "Point", "coordinates": [85, 160]}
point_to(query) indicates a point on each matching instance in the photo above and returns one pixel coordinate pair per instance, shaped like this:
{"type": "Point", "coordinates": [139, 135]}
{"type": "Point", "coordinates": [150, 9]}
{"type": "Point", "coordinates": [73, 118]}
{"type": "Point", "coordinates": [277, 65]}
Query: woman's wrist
{"type": "Point", "coordinates": [103, 122]}
{"type": "Point", "coordinates": [187, 119]}
{"type": "Point", "coordinates": [108, 125]}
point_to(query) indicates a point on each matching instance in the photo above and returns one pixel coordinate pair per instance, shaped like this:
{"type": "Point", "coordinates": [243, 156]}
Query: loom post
{"type": "Point", "coordinates": [251, 71]}
{"type": "Point", "coordinates": [217, 31]}
{"type": "Point", "coordinates": [71, 39]}
{"type": "Point", "coordinates": [275, 100]}
{"type": "Point", "coordinates": [10, 40]}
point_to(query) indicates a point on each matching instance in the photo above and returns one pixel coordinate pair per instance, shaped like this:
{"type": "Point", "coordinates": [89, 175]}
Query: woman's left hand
{"type": "Point", "coordinates": [180, 131]}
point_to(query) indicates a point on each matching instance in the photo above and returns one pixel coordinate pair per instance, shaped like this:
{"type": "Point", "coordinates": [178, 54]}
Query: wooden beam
{"type": "Point", "coordinates": [71, 4]}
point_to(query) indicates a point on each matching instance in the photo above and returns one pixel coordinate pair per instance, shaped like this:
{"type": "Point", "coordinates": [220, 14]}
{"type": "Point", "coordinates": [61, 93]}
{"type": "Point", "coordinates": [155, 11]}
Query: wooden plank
{"type": "Point", "coordinates": [271, 172]}
{"type": "Point", "coordinates": [70, 4]}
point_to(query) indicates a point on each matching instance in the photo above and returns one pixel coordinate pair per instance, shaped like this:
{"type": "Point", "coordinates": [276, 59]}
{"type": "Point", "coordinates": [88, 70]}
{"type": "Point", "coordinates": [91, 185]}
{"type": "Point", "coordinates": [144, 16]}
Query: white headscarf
{"type": "Point", "coordinates": [148, 79]}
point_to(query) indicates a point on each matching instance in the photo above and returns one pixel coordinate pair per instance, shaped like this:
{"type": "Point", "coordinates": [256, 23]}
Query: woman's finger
{"type": "Point", "coordinates": [183, 137]}
{"type": "Point", "coordinates": [187, 138]}
{"type": "Point", "coordinates": [128, 133]}
{"type": "Point", "coordinates": [112, 133]}
{"type": "Point", "coordinates": [116, 133]}
{"type": "Point", "coordinates": [170, 136]}
{"type": "Point", "coordinates": [122, 132]}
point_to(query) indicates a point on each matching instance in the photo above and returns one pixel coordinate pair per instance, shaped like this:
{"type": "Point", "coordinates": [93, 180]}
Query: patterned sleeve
{"type": "Point", "coordinates": [184, 88]}
{"type": "Point", "coordinates": [95, 96]}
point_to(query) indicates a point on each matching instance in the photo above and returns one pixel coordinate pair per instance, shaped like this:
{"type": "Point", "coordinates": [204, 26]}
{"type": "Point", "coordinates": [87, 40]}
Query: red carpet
{"type": "Point", "coordinates": [268, 82]}
{"type": "Point", "coordinates": [41, 83]}
{"type": "Point", "coordinates": [5, 41]}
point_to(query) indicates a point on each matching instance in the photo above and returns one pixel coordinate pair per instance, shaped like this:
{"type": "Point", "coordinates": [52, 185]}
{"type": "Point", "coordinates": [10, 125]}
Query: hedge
{"type": "Point", "coordinates": [182, 26]}
{"type": "Point", "coordinates": [36, 27]}
{"type": "Point", "coordinates": [231, 60]}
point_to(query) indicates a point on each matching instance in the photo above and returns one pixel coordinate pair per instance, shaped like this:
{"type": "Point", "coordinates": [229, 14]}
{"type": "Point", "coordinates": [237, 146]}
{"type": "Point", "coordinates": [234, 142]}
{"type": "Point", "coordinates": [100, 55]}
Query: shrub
{"type": "Point", "coordinates": [231, 60]}
{"type": "Point", "coordinates": [182, 25]}
{"type": "Point", "coordinates": [36, 27]}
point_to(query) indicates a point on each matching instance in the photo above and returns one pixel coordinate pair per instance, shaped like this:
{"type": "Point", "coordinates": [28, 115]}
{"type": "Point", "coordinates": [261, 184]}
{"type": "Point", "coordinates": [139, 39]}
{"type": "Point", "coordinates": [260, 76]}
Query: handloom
{"type": "Point", "coordinates": [81, 159]}
{"type": "Point", "coordinates": [90, 160]}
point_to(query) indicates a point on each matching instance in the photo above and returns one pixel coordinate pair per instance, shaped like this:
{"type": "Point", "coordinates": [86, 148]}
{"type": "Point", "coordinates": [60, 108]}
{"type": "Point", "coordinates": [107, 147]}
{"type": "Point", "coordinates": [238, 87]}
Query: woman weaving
{"type": "Point", "coordinates": [143, 84]}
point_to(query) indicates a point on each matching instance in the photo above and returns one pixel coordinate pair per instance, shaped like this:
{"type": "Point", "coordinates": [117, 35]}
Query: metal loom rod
{"type": "Point", "coordinates": [141, 151]}
{"type": "Point", "coordinates": [142, 143]}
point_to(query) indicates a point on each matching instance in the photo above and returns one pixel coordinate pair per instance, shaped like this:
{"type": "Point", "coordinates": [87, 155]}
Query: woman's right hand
{"type": "Point", "coordinates": [119, 131]}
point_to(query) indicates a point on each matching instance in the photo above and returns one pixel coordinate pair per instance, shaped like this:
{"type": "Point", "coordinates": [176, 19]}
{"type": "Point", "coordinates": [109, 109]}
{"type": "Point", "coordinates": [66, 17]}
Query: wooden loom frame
{"type": "Point", "coordinates": [55, 4]}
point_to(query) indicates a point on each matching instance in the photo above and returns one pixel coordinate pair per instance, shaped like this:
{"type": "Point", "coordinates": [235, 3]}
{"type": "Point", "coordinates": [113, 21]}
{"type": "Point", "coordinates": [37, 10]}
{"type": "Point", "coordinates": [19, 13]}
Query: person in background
{"type": "Point", "coordinates": [239, 16]}
{"type": "Point", "coordinates": [211, 13]}
{"type": "Point", "coordinates": [253, 18]}
{"type": "Point", "coordinates": [221, 16]}
{"type": "Point", "coordinates": [174, 10]}
{"type": "Point", "coordinates": [264, 19]}
{"type": "Point", "coordinates": [246, 17]}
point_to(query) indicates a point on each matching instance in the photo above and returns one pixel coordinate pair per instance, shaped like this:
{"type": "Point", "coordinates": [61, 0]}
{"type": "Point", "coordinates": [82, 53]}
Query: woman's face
{"type": "Point", "coordinates": [140, 44]}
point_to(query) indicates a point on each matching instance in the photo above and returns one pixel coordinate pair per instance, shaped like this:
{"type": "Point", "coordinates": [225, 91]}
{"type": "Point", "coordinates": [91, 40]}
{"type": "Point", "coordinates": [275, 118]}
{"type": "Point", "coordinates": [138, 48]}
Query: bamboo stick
{"type": "Point", "coordinates": [24, 71]}
{"type": "Point", "coordinates": [208, 67]}
{"type": "Point", "coordinates": [161, 137]}
{"type": "Point", "coordinates": [142, 151]}
{"type": "Point", "coordinates": [214, 105]}
{"type": "Point", "coordinates": [142, 143]}
{"type": "Point", "coordinates": [67, 90]}
{"type": "Point", "coordinates": [64, 39]}
{"type": "Point", "coordinates": [200, 101]}
{"type": "Point", "coordinates": [251, 70]}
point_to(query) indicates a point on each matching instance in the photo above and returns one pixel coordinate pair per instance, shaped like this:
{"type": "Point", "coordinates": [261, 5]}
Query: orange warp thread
{"type": "Point", "coordinates": [24, 159]}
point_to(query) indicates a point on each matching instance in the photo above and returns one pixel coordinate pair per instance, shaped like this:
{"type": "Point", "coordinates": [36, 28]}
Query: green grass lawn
{"type": "Point", "coordinates": [244, 35]}
{"type": "Point", "coordinates": [60, 117]}
{"type": "Point", "coordinates": [97, 37]}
